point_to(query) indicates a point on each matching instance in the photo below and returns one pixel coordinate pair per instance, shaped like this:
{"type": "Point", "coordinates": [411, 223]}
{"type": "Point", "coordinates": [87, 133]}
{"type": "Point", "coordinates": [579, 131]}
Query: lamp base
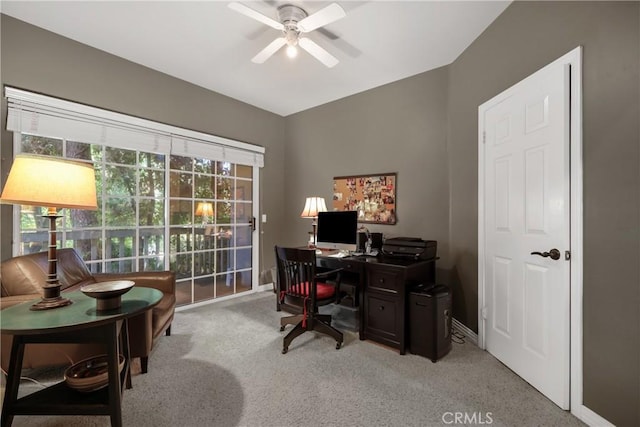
{"type": "Point", "coordinates": [51, 291]}
{"type": "Point", "coordinates": [48, 303]}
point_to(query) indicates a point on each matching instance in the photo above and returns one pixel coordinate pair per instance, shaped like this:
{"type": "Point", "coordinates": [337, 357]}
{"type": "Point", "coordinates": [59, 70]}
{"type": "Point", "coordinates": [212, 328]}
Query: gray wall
{"type": "Point", "coordinates": [399, 127]}
{"type": "Point", "coordinates": [527, 36]}
{"type": "Point", "coordinates": [40, 61]}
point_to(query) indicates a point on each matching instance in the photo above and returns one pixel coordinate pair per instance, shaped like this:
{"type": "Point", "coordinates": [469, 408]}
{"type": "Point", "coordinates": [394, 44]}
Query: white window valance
{"type": "Point", "coordinates": [42, 115]}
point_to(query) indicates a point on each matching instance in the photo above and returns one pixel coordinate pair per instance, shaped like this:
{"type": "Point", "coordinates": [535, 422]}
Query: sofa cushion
{"type": "Point", "coordinates": [27, 274]}
{"type": "Point", "coordinates": [24, 275]}
{"type": "Point", "coordinates": [72, 271]}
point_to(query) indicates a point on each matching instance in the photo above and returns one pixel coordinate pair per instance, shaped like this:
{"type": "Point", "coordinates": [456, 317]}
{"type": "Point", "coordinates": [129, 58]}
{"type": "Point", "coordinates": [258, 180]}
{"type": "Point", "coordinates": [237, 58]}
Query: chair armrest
{"type": "Point", "coordinates": [327, 274]}
{"type": "Point", "coordinates": [17, 299]}
{"type": "Point", "coordinates": [164, 281]}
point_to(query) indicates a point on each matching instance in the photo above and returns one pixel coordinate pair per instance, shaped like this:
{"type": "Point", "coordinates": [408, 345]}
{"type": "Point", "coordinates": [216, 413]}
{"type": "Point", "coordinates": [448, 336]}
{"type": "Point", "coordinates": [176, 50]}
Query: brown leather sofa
{"type": "Point", "coordinates": [21, 280]}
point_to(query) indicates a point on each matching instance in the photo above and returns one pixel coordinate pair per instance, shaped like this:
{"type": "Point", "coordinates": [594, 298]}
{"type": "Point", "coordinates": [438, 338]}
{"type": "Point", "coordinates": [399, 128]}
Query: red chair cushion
{"type": "Point", "coordinates": [323, 290]}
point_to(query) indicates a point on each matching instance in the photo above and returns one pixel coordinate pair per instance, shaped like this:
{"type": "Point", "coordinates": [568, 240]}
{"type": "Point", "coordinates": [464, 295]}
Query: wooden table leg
{"type": "Point", "coordinates": [115, 392]}
{"type": "Point", "coordinates": [124, 343]}
{"type": "Point", "coordinates": [13, 380]}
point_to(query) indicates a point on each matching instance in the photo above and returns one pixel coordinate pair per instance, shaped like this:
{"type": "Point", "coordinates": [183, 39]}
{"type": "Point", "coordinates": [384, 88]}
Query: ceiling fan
{"type": "Point", "coordinates": [294, 22]}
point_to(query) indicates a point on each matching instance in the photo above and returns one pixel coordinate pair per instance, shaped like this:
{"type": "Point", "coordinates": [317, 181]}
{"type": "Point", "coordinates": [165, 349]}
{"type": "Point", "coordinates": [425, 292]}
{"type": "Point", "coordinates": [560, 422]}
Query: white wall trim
{"type": "Point", "coordinates": [574, 59]}
{"type": "Point", "coordinates": [591, 418]}
{"type": "Point", "coordinates": [266, 287]}
{"type": "Point", "coordinates": [220, 299]}
{"type": "Point", "coordinates": [577, 254]}
{"type": "Point", "coordinates": [468, 333]}
{"type": "Point", "coordinates": [256, 235]}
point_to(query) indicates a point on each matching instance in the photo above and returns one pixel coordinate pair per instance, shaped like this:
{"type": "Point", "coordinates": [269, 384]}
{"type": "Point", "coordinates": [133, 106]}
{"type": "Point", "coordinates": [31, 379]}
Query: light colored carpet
{"type": "Point", "coordinates": [222, 366]}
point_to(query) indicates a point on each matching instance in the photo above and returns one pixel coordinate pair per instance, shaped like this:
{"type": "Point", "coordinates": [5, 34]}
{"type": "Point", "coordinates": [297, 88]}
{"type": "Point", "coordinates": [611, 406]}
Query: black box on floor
{"type": "Point", "coordinates": [430, 321]}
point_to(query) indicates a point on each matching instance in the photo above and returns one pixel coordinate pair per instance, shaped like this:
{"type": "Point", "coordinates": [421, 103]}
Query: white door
{"type": "Point", "coordinates": [526, 183]}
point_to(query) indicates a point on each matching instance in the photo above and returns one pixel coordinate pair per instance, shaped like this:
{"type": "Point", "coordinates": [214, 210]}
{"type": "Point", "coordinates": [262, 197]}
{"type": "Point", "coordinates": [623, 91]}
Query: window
{"type": "Point", "coordinates": [164, 202]}
{"type": "Point", "coordinates": [126, 233]}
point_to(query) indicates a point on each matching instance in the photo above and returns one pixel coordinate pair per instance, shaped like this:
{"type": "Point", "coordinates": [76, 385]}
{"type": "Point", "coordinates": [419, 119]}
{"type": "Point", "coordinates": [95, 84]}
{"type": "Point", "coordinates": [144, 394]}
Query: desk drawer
{"type": "Point", "coordinates": [384, 280]}
{"type": "Point", "coordinates": [328, 263]}
{"type": "Point", "coordinates": [383, 319]}
{"type": "Point", "coordinates": [332, 263]}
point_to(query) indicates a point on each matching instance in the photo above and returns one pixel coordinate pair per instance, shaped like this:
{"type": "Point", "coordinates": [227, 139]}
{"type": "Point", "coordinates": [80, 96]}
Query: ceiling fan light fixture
{"type": "Point", "coordinates": [291, 34]}
{"type": "Point", "coordinates": [292, 51]}
{"type": "Point", "coordinates": [293, 22]}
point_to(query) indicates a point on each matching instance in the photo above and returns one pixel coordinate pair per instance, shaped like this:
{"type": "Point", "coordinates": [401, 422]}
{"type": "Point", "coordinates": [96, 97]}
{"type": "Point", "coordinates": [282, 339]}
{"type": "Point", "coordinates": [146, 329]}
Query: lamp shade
{"type": "Point", "coordinates": [50, 182]}
{"type": "Point", "coordinates": [204, 209]}
{"type": "Point", "coordinates": [312, 206]}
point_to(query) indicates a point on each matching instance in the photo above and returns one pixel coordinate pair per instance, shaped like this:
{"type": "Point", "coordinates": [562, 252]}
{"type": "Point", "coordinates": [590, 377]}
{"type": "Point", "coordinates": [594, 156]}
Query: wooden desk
{"type": "Point", "coordinates": [75, 323]}
{"type": "Point", "coordinates": [382, 285]}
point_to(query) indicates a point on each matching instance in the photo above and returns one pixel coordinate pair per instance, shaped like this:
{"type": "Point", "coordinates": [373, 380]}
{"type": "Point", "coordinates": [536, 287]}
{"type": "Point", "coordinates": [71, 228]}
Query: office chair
{"type": "Point", "coordinates": [302, 290]}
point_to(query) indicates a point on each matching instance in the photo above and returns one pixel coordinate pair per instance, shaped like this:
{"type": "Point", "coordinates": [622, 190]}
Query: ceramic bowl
{"type": "Point", "coordinates": [90, 374]}
{"type": "Point", "coordinates": [107, 294]}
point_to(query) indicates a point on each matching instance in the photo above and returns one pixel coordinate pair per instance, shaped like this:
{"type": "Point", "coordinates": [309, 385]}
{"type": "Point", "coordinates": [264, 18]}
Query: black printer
{"type": "Point", "coordinates": [410, 247]}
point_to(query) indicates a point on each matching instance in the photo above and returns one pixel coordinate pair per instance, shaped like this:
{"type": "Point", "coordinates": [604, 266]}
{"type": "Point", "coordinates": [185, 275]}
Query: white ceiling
{"type": "Point", "coordinates": [210, 45]}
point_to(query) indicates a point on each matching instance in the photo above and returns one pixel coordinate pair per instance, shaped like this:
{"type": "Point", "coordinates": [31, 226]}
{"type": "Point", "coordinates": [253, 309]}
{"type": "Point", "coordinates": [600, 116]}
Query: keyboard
{"type": "Point", "coordinates": [339, 255]}
{"type": "Point", "coordinates": [373, 253]}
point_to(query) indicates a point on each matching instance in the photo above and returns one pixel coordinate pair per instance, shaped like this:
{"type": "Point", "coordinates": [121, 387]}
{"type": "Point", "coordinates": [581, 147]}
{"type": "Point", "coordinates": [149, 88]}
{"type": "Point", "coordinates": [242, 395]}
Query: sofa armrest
{"type": "Point", "coordinates": [17, 299]}
{"type": "Point", "coordinates": [164, 281]}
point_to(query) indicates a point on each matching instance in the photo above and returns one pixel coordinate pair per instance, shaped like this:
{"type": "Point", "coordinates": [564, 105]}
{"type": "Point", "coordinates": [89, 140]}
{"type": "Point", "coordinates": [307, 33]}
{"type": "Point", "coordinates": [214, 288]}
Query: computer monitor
{"type": "Point", "coordinates": [338, 230]}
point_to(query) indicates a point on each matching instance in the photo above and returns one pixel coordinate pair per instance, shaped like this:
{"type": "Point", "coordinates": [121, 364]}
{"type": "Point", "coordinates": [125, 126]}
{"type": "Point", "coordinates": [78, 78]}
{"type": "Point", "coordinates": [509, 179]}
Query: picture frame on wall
{"type": "Point", "coordinates": [373, 196]}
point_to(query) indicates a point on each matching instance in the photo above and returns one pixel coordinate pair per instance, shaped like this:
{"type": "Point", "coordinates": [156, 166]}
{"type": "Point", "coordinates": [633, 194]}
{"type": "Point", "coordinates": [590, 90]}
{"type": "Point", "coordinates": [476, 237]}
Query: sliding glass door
{"type": "Point", "coordinates": [210, 227]}
{"type": "Point", "coordinates": [168, 197]}
{"type": "Point", "coordinates": [156, 211]}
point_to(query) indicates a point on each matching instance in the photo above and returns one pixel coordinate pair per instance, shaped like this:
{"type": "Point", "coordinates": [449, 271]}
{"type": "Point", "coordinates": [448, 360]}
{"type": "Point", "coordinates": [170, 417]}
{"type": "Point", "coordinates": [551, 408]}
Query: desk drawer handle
{"type": "Point", "coordinates": [381, 281]}
{"type": "Point", "coordinates": [381, 308]}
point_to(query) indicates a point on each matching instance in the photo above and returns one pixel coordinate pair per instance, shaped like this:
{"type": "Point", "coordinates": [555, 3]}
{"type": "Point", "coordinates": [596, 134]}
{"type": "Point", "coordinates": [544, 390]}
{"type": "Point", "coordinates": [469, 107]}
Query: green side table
{"type": "Point", "coordinates": [79, 322]}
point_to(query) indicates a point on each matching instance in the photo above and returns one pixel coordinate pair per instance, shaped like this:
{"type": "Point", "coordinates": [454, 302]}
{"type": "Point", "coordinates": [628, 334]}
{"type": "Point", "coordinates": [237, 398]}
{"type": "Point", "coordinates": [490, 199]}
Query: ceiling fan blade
{"type": "Point", "coordinates": [245, 10]}
{"type": "Point", "coordinates": [317, 52]}
{"type": "Point", "coordinates": [323, 17]}
{"type": "Point", "coordinates": [272, 48]}
{"type": "Point", "coordinates": [328, 34]}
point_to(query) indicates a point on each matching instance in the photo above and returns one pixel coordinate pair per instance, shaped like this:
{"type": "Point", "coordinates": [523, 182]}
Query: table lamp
{"type": "Point", "coordinates": [52, 183]}
{"type": "Point", "coordinates": [312, 206]}
{"type": "Point", "coordinates": [205, 210]}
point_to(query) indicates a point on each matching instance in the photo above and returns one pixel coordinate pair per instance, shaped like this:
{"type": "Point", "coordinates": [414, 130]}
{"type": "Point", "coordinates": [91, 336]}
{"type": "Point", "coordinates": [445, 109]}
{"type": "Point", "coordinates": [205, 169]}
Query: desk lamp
{"type": "Point", "coordinates": [52, 183]}
{"type": "Point", "coordinates": [312, 206]}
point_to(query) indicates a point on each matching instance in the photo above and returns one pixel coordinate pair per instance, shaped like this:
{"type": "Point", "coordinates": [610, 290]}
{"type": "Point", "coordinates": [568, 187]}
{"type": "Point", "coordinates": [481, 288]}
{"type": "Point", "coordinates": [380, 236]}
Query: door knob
{"type": "Point", "coordinates": [553, 254]}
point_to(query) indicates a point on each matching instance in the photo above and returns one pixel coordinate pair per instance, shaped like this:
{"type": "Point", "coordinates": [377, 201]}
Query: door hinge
{"type": "Point", "coordinates": [567, 255]}
{"type": "Point", "coordinates": [484, 313]}
{"type": "Point", "coordinates": [484, 137]}
{"type": "Point", "coordinates": [253, 223]}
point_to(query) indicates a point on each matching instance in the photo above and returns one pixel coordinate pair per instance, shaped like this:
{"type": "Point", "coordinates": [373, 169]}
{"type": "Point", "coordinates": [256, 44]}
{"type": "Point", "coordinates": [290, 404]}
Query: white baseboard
{"type": "Point", "coordinates": [266, 287]}
{"type": "Point", "coordinates": [468, 333]}
{"type": "Point", "coordinates": [261, 288]}
{"type": "Point", "coordinates": [590, 418]}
